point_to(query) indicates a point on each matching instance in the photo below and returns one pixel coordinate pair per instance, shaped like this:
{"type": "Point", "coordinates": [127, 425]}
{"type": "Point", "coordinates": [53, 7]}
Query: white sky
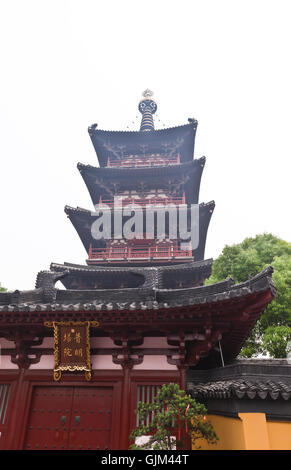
{"type": "Point", "coordinates": [68, 64]}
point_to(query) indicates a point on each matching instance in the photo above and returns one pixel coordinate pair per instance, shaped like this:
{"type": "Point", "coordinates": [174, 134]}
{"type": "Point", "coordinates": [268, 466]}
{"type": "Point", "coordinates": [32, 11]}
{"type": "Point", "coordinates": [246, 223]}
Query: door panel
{"type": "Point", "coordinates": [91, 418]}
{"type": "Point", "coordinates": [48, 423]}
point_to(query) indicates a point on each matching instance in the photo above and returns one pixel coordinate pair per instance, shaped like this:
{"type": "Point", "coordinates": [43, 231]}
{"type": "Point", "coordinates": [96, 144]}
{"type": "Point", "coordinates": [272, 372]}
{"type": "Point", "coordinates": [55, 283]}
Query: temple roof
{"type": "Point", "coordinates": [82, 220]}
{"type": "Point", "coordinates": [243, 388]}
{"type": "Point", "coordinates": [154, 277]}
{"type": "Point", "coordinates": [255, 385]}
{"type": "Point", "coordinates": [161, 298]}
{"type": "Point", "coordinates": [180, 178]}
{"type": "Point", "coordinates": [118, 144]}
{"type": "Point", "coordinates": [232, 309]}
{"type": "Point", "coordinates": [71, 267]}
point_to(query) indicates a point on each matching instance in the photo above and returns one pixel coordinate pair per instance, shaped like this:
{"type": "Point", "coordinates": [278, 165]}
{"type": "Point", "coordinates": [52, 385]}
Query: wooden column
{"type": "Point", "coordinates": [125, 411]}
{"type": "Point", "coordinates": [183, 369]}
{"type": "Point", "coordinates": [127, 363]}
{"type": "Point", "coordinates": [16, 414]}
{"type": "Point", "coordinates": [180, 361]}
{"type": "Point", "coordinates": [21, 356]}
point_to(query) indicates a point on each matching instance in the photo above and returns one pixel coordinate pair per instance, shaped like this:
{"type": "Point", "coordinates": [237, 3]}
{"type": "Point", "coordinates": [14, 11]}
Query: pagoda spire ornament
{"type": "Point", "coordinates": [147, 106]}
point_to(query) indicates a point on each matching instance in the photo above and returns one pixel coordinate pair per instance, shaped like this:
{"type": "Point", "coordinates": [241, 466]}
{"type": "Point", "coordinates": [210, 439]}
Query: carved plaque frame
{"type": "Point", "coordinates": [76, 355]}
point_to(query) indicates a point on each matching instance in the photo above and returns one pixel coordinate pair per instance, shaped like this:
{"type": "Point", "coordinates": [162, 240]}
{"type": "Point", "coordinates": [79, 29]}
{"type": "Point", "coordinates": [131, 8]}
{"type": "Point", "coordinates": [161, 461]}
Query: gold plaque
{"type": "Point", "coordinates": [72, 347]}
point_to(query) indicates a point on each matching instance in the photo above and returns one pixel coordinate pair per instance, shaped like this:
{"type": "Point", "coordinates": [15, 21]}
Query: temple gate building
{"type": "Point", "coordinates": [76, 361]}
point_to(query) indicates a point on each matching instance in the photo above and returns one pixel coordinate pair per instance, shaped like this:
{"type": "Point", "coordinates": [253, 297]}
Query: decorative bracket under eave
{"type": "Point", "coordinates": [23, 356]}
{"type": "Point", "coordinates": [125, 357]}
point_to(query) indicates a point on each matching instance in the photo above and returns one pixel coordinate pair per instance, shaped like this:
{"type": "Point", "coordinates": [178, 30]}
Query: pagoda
{"type": "Point", "coordinates": [152, 175]}
{"type": "Point", "coordinates": [142, 284]}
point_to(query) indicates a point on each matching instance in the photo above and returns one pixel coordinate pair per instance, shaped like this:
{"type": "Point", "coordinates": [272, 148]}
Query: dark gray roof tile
{"type": "Point", "coordinates": [242, 388]}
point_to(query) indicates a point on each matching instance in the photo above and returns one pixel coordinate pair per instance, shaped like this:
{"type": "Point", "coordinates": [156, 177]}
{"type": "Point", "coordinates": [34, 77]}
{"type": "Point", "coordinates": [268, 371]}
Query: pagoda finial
{"type": "Point", "coordinates": [147, 93]}
{"type": "Point", "coordinates": [147, 107]}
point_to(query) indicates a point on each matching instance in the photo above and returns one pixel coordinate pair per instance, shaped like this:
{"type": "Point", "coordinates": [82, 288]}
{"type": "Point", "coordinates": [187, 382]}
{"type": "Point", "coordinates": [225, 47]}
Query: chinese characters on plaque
{"type": "Point", "coordinates": [72, 347]}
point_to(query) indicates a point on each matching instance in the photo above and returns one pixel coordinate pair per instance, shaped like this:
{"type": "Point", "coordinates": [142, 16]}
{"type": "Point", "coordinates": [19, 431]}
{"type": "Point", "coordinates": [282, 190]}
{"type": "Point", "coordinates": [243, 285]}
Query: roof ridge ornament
{"type": "Point", "coordinates": [147, 93]}
{"type": "Point", "coordinates": [147, 106]}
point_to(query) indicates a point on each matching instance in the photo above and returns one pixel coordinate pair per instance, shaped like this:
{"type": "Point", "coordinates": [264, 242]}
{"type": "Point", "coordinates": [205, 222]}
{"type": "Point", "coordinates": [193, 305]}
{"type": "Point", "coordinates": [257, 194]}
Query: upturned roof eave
{"type": "Point", "coordinates": [103, 140]}
{"type": "Point", "coordinates": [91, 269]}
{"type": "Point", "coordinates": [82, 226]}
{"type": "Point", "coordinates": [94, 178]}
{"type": "Point", "coordinates": [143, 172]}
{"type": "Point", "coordinates": [224, 291]}
{"type": "Point", "coordinates": [227, 303]}
{"type": "Point", "coordinates": [95, 130]}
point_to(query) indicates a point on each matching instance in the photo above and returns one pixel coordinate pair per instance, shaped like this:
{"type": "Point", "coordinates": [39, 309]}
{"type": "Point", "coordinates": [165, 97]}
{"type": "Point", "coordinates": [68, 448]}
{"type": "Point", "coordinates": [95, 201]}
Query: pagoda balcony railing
{"type": "Point", "coordinates": [143, 162]}
{"type": "Point", "coordinates": [129, 253]}
{"type": "Point", "coordinates": [153, 201]}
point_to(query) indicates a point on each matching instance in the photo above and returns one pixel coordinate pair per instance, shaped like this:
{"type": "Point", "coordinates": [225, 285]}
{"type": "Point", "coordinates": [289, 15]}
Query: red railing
{"type": "Point", "coordinates": [141, 252]}
{"type": "Point", "coordinates": [145, 201]}
{"type": "Point", "coordinates": [136, 162]}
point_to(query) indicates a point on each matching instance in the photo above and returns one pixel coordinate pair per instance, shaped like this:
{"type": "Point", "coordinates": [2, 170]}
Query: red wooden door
{"type": "Point", "coordinates": [70, 418]}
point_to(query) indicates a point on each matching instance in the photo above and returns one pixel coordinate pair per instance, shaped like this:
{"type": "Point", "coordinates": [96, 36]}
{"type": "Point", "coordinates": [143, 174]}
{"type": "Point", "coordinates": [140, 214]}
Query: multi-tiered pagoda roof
{"type": "Point", "coordinates": [149, 168]}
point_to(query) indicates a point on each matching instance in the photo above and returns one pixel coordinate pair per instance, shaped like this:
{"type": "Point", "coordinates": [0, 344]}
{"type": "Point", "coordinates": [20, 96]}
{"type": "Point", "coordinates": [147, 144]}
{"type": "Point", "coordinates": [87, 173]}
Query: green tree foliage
{"type": "Point", "coordinates": [276, 339]}
{"type": "Point", "coordinates": [2, 289]}
{"type": "Point", "coordinates": [172, 410]}
{"type": "Point", "coordinates": [247, 259]}
{"type": "Point", "coordinates": [278, 312]}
